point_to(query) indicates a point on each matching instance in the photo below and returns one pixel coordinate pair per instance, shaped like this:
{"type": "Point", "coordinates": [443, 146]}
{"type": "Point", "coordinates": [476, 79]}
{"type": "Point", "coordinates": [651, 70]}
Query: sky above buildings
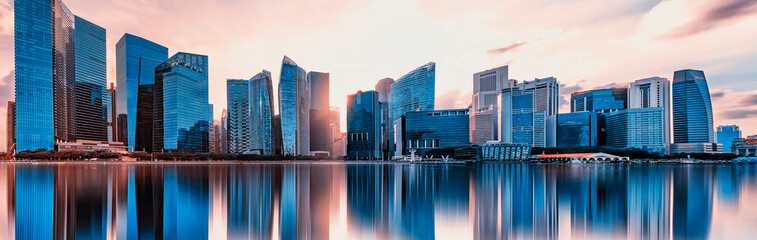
{"type": "Point", "coordinates": [585, 44]}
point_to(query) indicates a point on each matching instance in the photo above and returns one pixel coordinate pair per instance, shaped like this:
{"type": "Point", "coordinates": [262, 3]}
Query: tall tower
{"type": "Point", "coordinates": [320, 134]}
{"type": "Point", "coordinates": [412, 92]}
{"type": "Point", "coordinates": [692, 108]}
{"type": "Point", "coordinates": [384, 88]}
{"type": "Point", "coordinates": [483, 118]}
{"type": "Point", "coordinates": [91, 98]}
{"type": "Point", "coordinates": [527, 113]}
{"type": "Point", "coordinates": [261, 113]}
{"type": "Point", "coordinates": [238, 102]}
{"type": "Point", "coordinates": [294, 107]}
{"type": "Point", "coordinates": [650, 93]}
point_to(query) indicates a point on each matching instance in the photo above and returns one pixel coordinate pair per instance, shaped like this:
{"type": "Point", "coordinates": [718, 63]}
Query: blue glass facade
{"type": "Point", "coordinates": [428, 130]}
{"type": "Point", "coordinates": [692, 108]}
{"type": "Point", "coordinates": [294, 107]}
{"type": "Point", "coordinates": [726, 135]}
{"type": "Point", "coordinates": [261, 113]}
{"type": "Point", "coordinates": [238, 102]}
{"type": "Point", "coordinates": [527, 113]}
{"type": "Point", "coordinates": [577, 129]}
{"type": "Point", "coordinates": [601, 100]}
{"type": "Point", "coordinates": [92, 98]}
{"type": "Point", "coordinates": [363, 125]}
{"type": "Point", "coordinates": [136, 59]}
{"type": "Point", "coordinates": [639, 128]}
{"type": "Point", "coordinates": [181, 104]}
{"type": "Point", "coordinates": [35, 202]}
{"type": "Point", "coordinates": [33, 44]}
{"type": "Point", "coordinates": [413, 92]}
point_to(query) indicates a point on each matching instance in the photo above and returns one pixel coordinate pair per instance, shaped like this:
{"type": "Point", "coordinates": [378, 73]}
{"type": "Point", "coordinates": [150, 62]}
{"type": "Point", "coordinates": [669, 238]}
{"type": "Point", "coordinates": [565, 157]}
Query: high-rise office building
{"type": "Point", "coordinates": [726, 134]}
{"type": "Point", "coordinates": [483, 118]}
{"type": "Point", "coordinates": [412, 92]}
{"type": "Point", "coordinates": [336, 132]}
{"type": "Point", "coordinates": [384, 88]}
{"type": "Point", "coordinates": [136, 59]}
{"type": "Point", "coordinates": [44, 67]}
{"type": "Point", "coordinates": [599, 100]}
{"type": "Point", "coordinates": [112, 130]}
{"type": "Point", "coordinates": [181, 104]}
{"type": "Point", "coordinates": [638, 128]}
{"type": "Point", "coordinates": [294, 108]}
{"type": "Point", "coordinates": [578, 129]}
{"type": "Point", "coordinates": [261, 113]}
{"type": "Point", "coordinates": [238, 102]}
{"type": "Point", "coordinates": [692, 108]}
{"type": "Point", "coordinates": [143, 136]}
{"type": "Point", "coordinates": [11, 127]}
{"type": "Point", "coordinates": [320, 134]}
{"type": "Point", "coordinates": [278, 148]}
{"type": "Point", "coordinates": [651, 92]}
{"type": "Point", "coordinates": [211, 129]}
{"type": "Point", "coordinates": [527, 113]}
{"type": "Point", "coordinates": [221, 138]}
{"type": "Point", "coordinates": [425, 131]}
{"type": "Point", "coordinates": [91, 98]}
{"type": "Point", "coordinates": [363, 125]}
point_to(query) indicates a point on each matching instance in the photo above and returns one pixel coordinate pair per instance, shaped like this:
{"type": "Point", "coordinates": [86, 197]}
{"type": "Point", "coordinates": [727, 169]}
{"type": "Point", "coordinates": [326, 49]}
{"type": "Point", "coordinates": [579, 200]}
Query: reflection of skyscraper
{"type": "Point", "coordinates": [527, 113]}
{"type": "Point", "coordinates": [44, 67]}
{"type": "Point", "coordinates": [692, 202]}
{"type": "Point", "coordinates": [238, 102]}
{"type": "Point", "coordinates": [91, 97]}
{"type": "Point", "coordinates": [649, 203]}
{"type": "Point", "coordinates": [261, 113]}
{"type": "Point", "coordinates": [185, 203]}
{"type": "Point", "coordinates": [35, 202]}
{"type": "Point", "coordinates": [294, 108]}
{"type": "Point", "coordinates": [320, 134]}
{"type": "Point", "coordinates": [250, 203]}
{"type": "Point", "coordinates": [181, 104]}
{"type": "Point", "coordinates": [136, 59]}
{"type": "Point", "coordinates": [7, 201]}
{"type": "Point", "coordinates": [483, 118]}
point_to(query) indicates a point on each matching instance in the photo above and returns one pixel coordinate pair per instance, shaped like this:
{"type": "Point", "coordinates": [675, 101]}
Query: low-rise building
{"type": "Point", "coordinates": [744, 147]}
{"type": "Point", "coordinates": [701, 147]}
{"type": "Point", "coordinates": [496, 151]}
{"type": "Point", "coordinates": [91, 146]}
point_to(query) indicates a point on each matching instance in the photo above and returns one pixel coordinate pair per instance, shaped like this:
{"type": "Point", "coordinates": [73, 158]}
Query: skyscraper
{"type": "Point", "coordinates": [363, 125]}
{"type": "Point", "coordinates": [44, 67]}
{"type": "Point", "coordinates": [238, 102]}
{"type": "Point", "coordinates": [112, 129]}
{"type": "Point", "coordinates": [692, 109]}
{"type": "Point", "coordinates": [638, 128]}
{"type": "Point", "coordinates": [412, 92]}
{"type": "Point", "coordinates": [653, 93]}
{"type": "Point", "coordinates": [294, 108]}
{"type": "Point", "coordinates": [320, 134]}
{"type": "Point", "coordinates": [726, 134]}
{"type": "Point", "coordinates": [527, 113]}
{"type": "Point", "coordinates": [483, 118]}
{"type": "Point", "coordinates": [599, 100]}
{"type": "Point", "coordinates": [92, 99]}
{"type": "Point", "coordinates": [181, 104]}
{"type": "Point", "coordinates": [261, 113]}
{"type": "Point", "coordinates": [136, 59]}
{"type": "Point", "coordinates": [336, 132]}
{"type": "Point", "coordinates": [384, 88]}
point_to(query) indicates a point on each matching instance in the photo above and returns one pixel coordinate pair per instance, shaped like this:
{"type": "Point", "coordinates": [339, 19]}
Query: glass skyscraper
{"type": "Point", "coordinates": [363, 125]}
{"type": "Point", "coordinates": [92, 98]}
{"type": "Point", "coordinates": [726, 134]}
{"type": "Point", "coordinates": [261, 113]}
{"type": "Point", "coordinates": [238, 102]}
{"type": "Point", "coordinates": [413, 92]}
{"type": "Point", "coordinates": [384, 87]}
{"type": "Point", "coordinates": [527, 113]}
{"type": "Point", "coordinates": [136, 59]}
{"type": "Point", "coordinates": [692, 108]}
{"type": "Point", "coordinates": [320, 133]}
{"type": "Point", "coordinates": [294, 107]}
{"type": "Point", "coordinates": [638, 128]}
{"type": "Point", "coordinates": [600, 100]}
{"type": "Point", "coordinates": [181, 104]}
{"type": "Point", "coordinates": [483, 118]}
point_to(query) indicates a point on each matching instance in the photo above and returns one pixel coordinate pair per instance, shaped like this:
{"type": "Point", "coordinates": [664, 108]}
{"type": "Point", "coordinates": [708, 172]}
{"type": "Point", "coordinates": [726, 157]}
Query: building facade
{"type": "Point", "coordinates": [744, 147]}
{"type": "Point", "coordinates": [320, 133]}
{"type": "Point", "coordinates": [10, 127]}
{"type": "Point", "coordinates": [384, 89]}
{"type": "Point", "coordinates": [181, 104]}
{"type": "Point", "coordinates": [363, 125]}
{"type": "Point", "coordinates": [692, 108]}
{"type": "Point", "coordinates": [261, 113]}
{"type": "Point", "coordinates": [238, 102]}
{"type": "Point", "coordinates": [578, 129]}
{"type": "Point", "coordinates": [497, 151]}
{"type": "Point", "coordinates": [653, 92]}
{"type": "Point", "coordinates": [413, 92]}
{"type": "Point", "coordinates": [527, 113]}
{"type": "Point", "coordinates": [439, 129]}
{"type": "Point", "coordinates": [136, 59]}
{"type": "Point", "coordinates": [294, 108]}
{"type": "Point", "coordinates": [92, 99]}
{"type": "Point", "coordinates": [483, 117]}
{"type": "Point", "coordinates": [726, 135]}
{"type": "Point", "coordinates": [112, 125]}
{"type": "Point", "coordinates": [638, 128]}
{"type": "Point", "coordinates": [599, 100]}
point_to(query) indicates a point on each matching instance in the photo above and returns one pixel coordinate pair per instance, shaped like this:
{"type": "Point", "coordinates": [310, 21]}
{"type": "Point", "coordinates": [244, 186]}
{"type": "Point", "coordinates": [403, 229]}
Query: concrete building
{"type": "Point", "coordinates": [483, 117]}
{"type": "Point", "coordinates": [744, 147]}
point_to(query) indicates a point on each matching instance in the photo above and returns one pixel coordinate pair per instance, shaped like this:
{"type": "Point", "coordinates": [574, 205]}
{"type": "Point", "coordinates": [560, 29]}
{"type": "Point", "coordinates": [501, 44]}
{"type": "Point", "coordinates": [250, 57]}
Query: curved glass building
{"type": "Point", "coordinates": [261, 113]}
{"type": "Point", "coordinates": [692, 108]}
{"type": "Point", "coordinates": [413, 92]}
{"type": "Point", "coordinates": [294, 107]}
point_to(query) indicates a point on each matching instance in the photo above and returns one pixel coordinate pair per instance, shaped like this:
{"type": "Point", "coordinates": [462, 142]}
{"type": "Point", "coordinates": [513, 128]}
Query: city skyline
{"type": "Point", "coordinates": [728, 78]}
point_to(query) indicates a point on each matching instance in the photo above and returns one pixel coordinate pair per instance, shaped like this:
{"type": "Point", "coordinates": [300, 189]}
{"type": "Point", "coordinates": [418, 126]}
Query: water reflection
{"type": "Point", "coordinates": [376, 201]}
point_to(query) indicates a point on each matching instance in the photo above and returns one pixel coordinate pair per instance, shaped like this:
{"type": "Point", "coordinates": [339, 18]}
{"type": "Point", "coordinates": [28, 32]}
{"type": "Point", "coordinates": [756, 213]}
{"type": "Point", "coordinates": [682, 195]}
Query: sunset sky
{"type": "Point", "coordinates": [585, 44]}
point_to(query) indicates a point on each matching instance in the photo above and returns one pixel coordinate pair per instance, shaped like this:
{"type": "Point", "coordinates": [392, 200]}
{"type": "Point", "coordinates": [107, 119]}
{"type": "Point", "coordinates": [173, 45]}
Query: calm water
{"type": "Point", "coordinates": [377, 201]}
